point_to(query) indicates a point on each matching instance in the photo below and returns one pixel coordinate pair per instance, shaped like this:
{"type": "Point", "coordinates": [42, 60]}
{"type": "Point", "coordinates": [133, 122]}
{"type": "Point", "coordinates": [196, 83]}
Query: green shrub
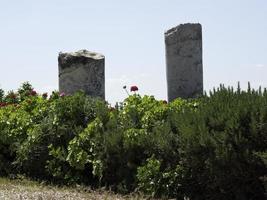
{"type": "Point", "coordinates": [2, 94]}
{"type": "Point", "coordinates": [213, 147]}
{"type": "Point", "coordinates": [138, 130]}
{"type": "Point", "coordinates": [218, 142]}
{"type": "Point", "coordinates": [14, 123]}
{"type": "Point", "coordinates": [45, 151]}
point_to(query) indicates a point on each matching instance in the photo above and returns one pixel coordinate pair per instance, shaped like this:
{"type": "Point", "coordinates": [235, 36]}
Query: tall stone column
{"type": "Point", "coordinates": [184, 61]}
{"type": "Point", "coordinates": [82, 70]}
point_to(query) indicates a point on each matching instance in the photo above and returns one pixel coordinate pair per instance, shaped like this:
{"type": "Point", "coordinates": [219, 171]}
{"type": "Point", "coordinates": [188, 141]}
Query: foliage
{"type": "Point", "coordinates": [213, 147]}
{"type": "Point", "coordinates": [219, 142]}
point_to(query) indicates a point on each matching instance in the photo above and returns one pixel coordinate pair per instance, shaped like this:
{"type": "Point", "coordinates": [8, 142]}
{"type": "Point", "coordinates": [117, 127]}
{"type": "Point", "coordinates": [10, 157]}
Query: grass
{"type": "Point", "coordinates": [22, 189]}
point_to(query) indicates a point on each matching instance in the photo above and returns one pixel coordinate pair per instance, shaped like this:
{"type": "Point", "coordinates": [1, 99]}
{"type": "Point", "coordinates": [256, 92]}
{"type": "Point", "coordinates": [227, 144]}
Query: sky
{"type": "Point", "coordinates": [131, 36]}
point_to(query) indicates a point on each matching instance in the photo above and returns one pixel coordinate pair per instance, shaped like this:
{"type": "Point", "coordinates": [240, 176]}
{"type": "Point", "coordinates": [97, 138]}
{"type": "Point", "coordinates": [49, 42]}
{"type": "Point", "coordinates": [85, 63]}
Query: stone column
{"type": "Point", "coordinates": [82, 71]}
{"type": "Point", "coordinates": [184, 61]}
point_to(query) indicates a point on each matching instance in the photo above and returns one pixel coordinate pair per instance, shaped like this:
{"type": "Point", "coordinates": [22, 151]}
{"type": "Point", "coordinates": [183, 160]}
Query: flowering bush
{"type": "Point", "coordinates": [213, 147]}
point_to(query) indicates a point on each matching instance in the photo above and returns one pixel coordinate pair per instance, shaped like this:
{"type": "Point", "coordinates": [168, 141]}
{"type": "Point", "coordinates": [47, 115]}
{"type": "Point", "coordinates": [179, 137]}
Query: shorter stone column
{"type": "Point", "coordinates": [82, 71]}
{"type": "Point", "coordinates": [184, 61]}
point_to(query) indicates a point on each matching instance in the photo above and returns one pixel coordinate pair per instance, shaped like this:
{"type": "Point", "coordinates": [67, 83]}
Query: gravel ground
{"type": "Point", "coordinates": [22, 190]}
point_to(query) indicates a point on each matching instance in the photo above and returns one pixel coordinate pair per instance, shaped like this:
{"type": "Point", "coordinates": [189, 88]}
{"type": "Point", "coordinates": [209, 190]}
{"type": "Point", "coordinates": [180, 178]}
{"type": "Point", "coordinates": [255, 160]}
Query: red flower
{"type": "Point", "coordinates": [3, 104]}
{"type": "Point", "coordinates": [44, 95]}
{"type": "Point", "coordinates": [134, 88]}
{"type": "Point", "coordinates": [33, 93]}
{"type": "Point", "coordinates": [62, 94]}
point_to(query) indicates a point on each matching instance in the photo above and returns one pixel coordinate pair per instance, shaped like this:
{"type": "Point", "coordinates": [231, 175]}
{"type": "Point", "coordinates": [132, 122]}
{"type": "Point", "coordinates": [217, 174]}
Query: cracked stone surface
{"type": "Point", "coordinates": [82, 70]}
{"type": "Point", "coordinates": [184, 61]}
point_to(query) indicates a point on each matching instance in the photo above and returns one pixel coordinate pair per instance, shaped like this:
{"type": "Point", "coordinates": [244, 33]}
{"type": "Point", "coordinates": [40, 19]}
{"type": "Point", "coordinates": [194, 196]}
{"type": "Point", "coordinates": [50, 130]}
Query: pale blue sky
{"type": "Point", "coordinates": [131, 36]}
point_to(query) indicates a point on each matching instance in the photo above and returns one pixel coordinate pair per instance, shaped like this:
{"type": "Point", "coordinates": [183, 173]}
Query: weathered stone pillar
{"type": "Point", "coordinates": [82, 70]}
{"type": "Point", "coordinates": [184, 61]}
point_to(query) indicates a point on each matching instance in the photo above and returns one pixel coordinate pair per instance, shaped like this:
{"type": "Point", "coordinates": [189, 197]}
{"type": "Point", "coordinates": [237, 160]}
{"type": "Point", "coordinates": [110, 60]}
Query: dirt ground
{"type": "Point", "coordinates": [24, 189]}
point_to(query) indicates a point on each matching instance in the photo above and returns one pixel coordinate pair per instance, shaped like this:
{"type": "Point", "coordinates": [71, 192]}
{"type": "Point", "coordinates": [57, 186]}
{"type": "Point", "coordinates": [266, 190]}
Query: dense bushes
{"type": "Point", "coordinates": [210, 148]}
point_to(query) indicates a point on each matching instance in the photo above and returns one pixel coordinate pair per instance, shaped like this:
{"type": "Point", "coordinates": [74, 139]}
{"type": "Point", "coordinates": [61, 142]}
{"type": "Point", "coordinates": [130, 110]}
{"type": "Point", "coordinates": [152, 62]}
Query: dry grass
{"type": "Point", "coordinates": [25, 189]}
